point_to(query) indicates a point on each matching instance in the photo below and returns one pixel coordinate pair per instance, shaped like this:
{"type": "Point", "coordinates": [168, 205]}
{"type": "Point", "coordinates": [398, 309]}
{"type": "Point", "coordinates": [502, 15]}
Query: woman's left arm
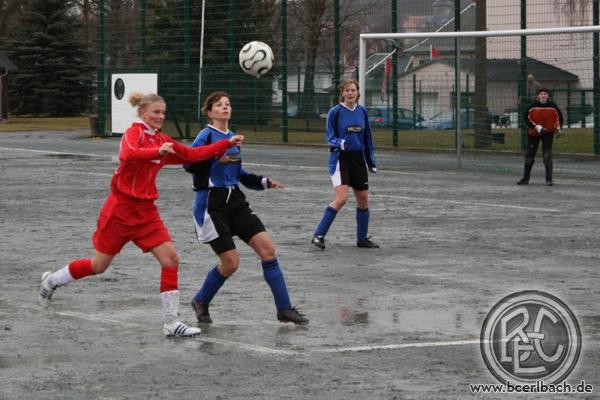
{"type": "Point", "coordinates": [258, 182]}
{"type": "Point", "coordinates": [368, 142]}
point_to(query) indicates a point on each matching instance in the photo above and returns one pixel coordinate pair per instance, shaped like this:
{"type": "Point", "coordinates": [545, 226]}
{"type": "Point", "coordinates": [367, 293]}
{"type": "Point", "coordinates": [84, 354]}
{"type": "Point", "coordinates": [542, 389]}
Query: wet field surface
{"type": "Point", "coordinates": [399, 322]}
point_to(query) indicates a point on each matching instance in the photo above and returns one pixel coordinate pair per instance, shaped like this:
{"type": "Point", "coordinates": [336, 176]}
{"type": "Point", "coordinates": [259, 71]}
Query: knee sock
{"type": "Point", "coordinates": [168, 279]}
{"type": "Point", "coordinates": [362, 223]}
{"type": "Point", "coordinates": [212, 283]}
{"type": "Point", "coordinates": [274, 277]}
{"type": "Point", "coordinates": [326, 221]}
{"type": "Point", "coordinates": [77, 269]}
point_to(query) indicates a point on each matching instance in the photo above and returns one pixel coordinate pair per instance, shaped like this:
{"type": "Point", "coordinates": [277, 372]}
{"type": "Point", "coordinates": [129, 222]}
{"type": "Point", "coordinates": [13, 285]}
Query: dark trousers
{"type": "Point", "coordinates": [532, 146]}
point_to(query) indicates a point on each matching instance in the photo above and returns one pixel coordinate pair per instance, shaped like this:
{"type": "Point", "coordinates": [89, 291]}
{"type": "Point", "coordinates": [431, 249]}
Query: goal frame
{"type": "Point", "coordinates": [364, 37]}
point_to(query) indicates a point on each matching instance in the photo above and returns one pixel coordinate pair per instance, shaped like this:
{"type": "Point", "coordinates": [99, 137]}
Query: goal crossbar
{"type": "Point", "coordinates": [470, 34]}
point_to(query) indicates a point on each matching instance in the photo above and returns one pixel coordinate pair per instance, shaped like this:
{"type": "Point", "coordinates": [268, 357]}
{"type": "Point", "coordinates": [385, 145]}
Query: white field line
{"type": "Point", "coordinates": [249, 347]}
{"type": "Point", "coordinates": [55, 152]}
{"type": "Point", "coordinates": [398, 346]}
{"type": "Point", "coordinates": [86, 317]}
{"type": "Point", "coordinates": [64, 171]}
{"type": "Point", "coordinates": [431, 200]}
{"type": "Point", "coordinates": [323, 168]}
{"type": "Point", "coordinates": [257, 348]}
{"type": "Point", "coordinates": [470, 203]}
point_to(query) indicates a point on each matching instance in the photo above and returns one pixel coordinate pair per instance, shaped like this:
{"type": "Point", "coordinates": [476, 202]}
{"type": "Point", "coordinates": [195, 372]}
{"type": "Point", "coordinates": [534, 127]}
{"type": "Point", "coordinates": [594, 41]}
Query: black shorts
{"type": "Point", "coordinates": [353, 170]}
{"type": "Point", "coordinates": [231, 216]}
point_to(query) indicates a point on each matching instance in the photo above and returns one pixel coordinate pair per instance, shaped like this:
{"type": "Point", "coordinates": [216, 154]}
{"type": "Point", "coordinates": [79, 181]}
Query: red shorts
{"type": "Point", "coordinates": [122, 220]}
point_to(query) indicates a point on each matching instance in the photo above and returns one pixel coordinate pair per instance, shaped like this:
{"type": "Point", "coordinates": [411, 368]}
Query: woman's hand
{"type": "Point", "coordinates": [236, 140]}
{"type": "Point", "coordinates": [165, 149]}
{"type": "Point", "coordinates": [273, 184]}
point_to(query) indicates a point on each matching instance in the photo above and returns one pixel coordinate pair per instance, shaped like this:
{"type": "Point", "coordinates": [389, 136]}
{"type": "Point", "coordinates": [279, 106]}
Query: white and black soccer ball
{"type": "Point", "coordinates": [256, 58]}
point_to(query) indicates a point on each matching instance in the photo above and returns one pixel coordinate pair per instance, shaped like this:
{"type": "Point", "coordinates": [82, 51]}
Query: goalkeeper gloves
{"type": "Point", "coordinates": [541, 130]}
{"type": "Point", "coordinates": [558, 133]}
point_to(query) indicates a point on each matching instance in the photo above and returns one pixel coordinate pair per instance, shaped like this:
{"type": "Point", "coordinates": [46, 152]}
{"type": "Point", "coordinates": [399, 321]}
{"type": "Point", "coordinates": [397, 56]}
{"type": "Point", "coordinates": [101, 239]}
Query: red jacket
{"type": "Point", "coordinates": [135, 177]}
{"type": "Point", "coordinates": [547, 115]}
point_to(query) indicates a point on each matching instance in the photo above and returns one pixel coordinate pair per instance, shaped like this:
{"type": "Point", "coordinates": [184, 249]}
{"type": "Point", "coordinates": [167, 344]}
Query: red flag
{"type": "Point", "coordinates": [388, 67]}
{"type": "Point", "coordinates": [434, 53]}
{"type": "Point", "coordinates": [386, 78]}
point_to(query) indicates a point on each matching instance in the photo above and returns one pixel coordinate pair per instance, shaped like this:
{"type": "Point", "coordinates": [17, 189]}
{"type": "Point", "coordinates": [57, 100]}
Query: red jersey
{"type": "Point", "coordinates": [135, 177]}
{"type": "Point", "coordinates": [547, 115]}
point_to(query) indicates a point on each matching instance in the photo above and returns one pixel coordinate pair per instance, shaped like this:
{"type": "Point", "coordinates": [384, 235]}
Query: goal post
{"type": "Point", "coordinates": [588, 57]}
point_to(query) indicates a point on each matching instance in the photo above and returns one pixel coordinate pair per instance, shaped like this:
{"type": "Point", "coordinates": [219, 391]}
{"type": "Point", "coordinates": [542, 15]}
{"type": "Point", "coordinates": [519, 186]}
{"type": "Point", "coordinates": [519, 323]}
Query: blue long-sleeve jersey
{"type": "Point", "coordinates": [349, 130]}
{"type": "Point", "coordinates": [217, 173]}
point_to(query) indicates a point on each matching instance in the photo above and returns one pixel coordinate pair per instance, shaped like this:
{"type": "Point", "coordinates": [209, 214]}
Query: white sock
{"type": "Point", "coordinates": [170, 302]}
{"type": "Point", "coordinates": [61, 277]}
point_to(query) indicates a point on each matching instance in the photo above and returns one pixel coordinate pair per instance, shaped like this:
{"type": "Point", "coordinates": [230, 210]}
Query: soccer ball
{"type": "Point", "coordinates": [256, 58]}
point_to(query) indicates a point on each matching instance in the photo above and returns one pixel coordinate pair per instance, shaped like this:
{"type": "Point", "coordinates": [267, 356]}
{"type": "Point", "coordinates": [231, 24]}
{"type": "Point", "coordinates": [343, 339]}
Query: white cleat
{"type": "Point", "coordinates": [179, 329]}
{"type": "Point", "coordinates": [46, 290]}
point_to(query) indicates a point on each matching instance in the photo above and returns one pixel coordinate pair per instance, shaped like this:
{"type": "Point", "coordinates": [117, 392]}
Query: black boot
{"type": "Point", "coordinates": [292, 315]}
{"type": "Point", "coordinates": [526, 171]}
{"type": "Point", "coordinates": [201, 311]}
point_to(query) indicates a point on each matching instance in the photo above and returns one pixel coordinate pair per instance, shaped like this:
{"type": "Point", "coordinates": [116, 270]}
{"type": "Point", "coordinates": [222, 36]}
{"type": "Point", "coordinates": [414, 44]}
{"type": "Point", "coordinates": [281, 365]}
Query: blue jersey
{"type": "Point", "coordinates": [218, 172]}
{"type": "Point", "coordinates": [349, 130]}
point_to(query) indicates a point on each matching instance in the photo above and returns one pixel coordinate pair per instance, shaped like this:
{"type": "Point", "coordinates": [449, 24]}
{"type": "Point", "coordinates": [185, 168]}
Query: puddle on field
{"type": "Point", "coordinates": [78, 157]}
{"type": "Point", "coordinates": [42, 361]}
{"type": "Point", "coordinates": [361, 312]}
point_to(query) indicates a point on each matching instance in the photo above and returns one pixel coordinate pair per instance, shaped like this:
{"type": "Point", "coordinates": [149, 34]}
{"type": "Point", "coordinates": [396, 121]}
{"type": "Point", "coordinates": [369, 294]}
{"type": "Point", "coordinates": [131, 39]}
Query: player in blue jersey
{"type": "Point", "coordinates": [351, 157]}
{"type": "Point", "coordinates": [221, 212]}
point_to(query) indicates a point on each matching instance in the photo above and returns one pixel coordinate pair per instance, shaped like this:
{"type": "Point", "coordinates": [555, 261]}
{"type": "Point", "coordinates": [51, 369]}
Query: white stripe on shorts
{"type": "Point", "coordinates": [206, 232]}
{"type": "Point", "coordinates": [336, 178]}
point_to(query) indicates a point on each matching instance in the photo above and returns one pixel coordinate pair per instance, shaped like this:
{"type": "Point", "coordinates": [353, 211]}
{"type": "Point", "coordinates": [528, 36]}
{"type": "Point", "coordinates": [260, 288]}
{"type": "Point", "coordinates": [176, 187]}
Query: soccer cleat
{"type": "Point", "coordinates": [367, 244]}
{"type": "Point", "coordinates": [179, 329]}
{"type": "Point", "coordinates": [46, 290]}
{"type": "Point", "coordinates": [523, 181]}
{"type": "Point", "coordinates": [201, 311]}
{"type": "Point", "coordinates": [292, 315]}
{"type": "Point", "coordinates": [549, 182]}
{"type": "Point", "coordinates": [318, 241]}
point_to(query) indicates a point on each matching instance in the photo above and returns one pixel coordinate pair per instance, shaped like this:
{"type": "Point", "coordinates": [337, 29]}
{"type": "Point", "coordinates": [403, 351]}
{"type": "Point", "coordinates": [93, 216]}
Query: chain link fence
{"type": "Point", "coordinates": [192, 46]}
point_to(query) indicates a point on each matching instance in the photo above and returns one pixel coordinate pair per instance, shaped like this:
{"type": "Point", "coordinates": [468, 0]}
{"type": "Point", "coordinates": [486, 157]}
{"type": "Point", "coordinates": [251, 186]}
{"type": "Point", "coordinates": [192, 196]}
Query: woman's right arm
{"type": "Point", "coordinates": [331, 130]}
{"type": "Point", "coordinates": [530, 124]}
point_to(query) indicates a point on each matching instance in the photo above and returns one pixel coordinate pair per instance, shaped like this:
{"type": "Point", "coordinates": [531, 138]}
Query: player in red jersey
{"type": "Point", "coordinates": [544, 120]}
{"type": "Point", "coordinates": [129, 213]}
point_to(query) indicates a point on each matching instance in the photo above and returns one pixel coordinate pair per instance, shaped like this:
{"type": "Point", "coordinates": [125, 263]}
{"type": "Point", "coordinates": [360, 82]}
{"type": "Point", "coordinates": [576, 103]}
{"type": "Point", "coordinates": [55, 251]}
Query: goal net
{"type": "Point", "coordinates": [416, 104]}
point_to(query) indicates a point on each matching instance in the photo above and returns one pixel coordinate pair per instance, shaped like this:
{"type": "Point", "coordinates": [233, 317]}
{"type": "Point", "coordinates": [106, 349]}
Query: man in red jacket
{"type": "Point", "coordinates": [544, 120]}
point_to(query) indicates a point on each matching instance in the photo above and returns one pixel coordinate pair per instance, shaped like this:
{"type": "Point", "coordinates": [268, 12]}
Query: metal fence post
{"type": "Point", "coordinates": [101, 124]}
{"type": "Point", "coordinates": [284, 74]}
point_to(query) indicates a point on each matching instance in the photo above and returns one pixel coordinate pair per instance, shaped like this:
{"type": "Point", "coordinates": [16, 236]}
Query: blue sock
{"type": "Point", "coordinates": [326, 221]}
{"type": "Point", "coordinates": [362, 223]}
{"type": "Point", "coordinates": [213, 282]}
{"type": "Point", "coordinates": [274, 277]}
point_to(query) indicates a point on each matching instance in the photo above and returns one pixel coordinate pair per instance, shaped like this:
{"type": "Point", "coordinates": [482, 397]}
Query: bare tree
{"type": "Point", "coordinates": [8, 10]}
{"type": "Point", "coordinates": [311, 31]}
{"type": "Point", "coordinates": [312, 17]}
{"type": "Point", "coordinates": [575, 11]}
